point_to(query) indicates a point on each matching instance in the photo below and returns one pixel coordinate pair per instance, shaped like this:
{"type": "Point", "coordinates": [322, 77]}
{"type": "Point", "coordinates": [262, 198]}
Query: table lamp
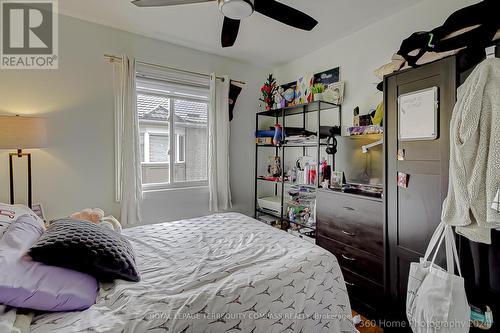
{"type": "Point", "coordinates": [22, 133]}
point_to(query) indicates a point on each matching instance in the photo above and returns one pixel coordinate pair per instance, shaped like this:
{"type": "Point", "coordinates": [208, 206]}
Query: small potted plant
{"type": "Point", "coordinates": [268, 91]}
{"type": "Point", "coordinates": [317, 91]}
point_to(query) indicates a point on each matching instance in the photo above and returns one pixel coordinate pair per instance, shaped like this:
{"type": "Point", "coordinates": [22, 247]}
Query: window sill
{"type": "Point", "coordinates": [200, 188]}
{"type": "Point", "coordinates": [159, 164]}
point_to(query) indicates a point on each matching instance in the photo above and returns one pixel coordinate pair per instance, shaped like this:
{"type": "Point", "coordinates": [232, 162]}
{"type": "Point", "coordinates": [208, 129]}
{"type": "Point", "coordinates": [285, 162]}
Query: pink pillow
{"type": "Point", "coordinates": [32, 285]}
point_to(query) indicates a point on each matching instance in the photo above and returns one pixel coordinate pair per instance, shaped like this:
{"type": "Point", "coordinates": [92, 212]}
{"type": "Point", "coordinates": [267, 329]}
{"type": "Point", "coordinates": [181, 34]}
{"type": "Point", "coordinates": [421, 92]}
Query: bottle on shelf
{"type": "Point", "coordinates": [312, 174]}
{"type": "Point", "coordinates": [307, 175]}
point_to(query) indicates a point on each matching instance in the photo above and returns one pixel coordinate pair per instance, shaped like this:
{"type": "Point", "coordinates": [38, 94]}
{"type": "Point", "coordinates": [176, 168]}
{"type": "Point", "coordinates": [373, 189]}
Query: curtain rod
{"type": "Point", "coordinates": [113, 58]}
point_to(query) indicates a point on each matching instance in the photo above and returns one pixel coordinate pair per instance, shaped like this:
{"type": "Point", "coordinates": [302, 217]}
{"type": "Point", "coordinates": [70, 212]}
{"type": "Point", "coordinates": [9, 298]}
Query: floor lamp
{"type": "Point", "coordinates": [22, 133]}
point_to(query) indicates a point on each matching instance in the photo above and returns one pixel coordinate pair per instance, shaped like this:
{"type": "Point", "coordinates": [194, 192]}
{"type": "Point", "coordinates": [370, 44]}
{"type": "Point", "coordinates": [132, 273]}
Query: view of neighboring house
{"type": "Point", "coordinates": [188, 144]}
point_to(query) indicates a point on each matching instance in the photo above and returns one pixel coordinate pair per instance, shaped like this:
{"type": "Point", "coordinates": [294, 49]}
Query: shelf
{"type": "Point", "coordinates": [318, 144]}
{"type": "Point", "coordinates": [294, 145]}
{"type": "Point", "coordinates": [287, 183]}
{"type": "Point", "coordinates": [299, 109]}
{"type": "Point", "coordinates": [269, 180]}
{"type": "Point", "coordinates": [366, 136]}
{"type": "Point", "coordinates": [262, 211]}
{"type": "Point", "coordinates": [301, 224]}
{"type": "Point", "coordinates": [284, 219]}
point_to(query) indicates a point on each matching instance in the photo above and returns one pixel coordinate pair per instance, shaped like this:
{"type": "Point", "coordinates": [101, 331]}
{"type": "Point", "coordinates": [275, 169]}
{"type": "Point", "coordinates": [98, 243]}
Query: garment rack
{"type": "Point", "coordinates": [113, 58]}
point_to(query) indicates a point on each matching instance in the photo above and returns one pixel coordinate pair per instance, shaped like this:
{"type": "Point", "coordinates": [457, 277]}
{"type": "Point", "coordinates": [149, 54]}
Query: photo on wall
{"type": "Point", "coordinates": [328, 77]}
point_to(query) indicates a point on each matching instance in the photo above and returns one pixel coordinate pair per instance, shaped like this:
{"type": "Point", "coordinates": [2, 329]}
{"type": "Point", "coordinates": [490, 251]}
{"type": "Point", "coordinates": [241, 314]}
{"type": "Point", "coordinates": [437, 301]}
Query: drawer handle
{"type": "Point", "coordinates": [349, 284]}
{"type": "Point", "coordinates": [348, 258]}
{"type": "Point", "coordinates": [350, 234]}
{"type": "Point", "coordinates": [349, 208]}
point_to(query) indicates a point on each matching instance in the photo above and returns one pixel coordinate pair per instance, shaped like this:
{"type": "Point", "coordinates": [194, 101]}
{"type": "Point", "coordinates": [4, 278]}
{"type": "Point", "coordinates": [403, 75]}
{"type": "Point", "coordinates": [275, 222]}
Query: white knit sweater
{"type": "Point", "coordinates": [475, 155]}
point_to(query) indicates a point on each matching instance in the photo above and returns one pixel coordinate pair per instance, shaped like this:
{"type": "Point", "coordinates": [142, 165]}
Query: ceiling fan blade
{"type": "Point", "coordinates": [160, 3]}
{"type": "Point", "coordinates": [285, 14]}
{"type": "Point", "coordinates": [230, 30]}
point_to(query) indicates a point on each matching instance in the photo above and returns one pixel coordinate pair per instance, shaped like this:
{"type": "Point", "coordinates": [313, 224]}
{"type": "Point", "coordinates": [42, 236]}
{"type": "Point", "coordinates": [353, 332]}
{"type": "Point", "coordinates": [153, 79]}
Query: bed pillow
{"type": "Point", "coordinates": [88, 248]}
{"type": "Point", "coordinates": [10, 213]}
{"type": "Point", "coordinates": [33, 285]}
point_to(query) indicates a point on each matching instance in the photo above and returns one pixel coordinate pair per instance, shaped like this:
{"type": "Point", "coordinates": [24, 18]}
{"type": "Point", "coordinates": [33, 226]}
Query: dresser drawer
{"type": "Point", "coordinates": [363, 291]}
{"type": "Point", "coordinates": [352, 220]}
{"type": "Point", "coordinates": [354, 260]}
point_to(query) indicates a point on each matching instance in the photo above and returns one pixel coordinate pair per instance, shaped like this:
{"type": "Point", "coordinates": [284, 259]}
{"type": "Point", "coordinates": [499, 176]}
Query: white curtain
{"type": "Point", "coordinates": [128, 158]}
{"type": "Point", "coordinates": [218, 144]}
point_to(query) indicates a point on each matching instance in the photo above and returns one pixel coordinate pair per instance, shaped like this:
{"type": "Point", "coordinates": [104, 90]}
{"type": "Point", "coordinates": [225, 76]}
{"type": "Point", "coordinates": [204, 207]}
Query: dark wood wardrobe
{"type": "Point", "coordinates": [412, 214]}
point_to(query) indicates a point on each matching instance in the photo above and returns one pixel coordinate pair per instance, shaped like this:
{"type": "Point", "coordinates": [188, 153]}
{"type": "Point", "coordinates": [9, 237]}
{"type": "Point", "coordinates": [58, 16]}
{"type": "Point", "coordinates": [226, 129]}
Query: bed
{"type": "Point", "coordinates": [220, 273]}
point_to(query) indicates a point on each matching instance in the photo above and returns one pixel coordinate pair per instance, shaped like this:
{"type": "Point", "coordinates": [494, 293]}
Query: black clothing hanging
{"type": "Point", "coordinates": [475, 27]}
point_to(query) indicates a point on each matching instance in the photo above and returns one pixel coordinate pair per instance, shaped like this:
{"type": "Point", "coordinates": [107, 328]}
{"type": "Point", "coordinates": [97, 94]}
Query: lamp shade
{"type": "Point", "coordinates": [22, 132]}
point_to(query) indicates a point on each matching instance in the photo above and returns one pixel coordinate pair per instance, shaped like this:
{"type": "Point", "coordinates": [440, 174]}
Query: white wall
{"type": "Point", "coordinates": [359, 54]}
{"type": "Point", "coordinates": [77, 169]}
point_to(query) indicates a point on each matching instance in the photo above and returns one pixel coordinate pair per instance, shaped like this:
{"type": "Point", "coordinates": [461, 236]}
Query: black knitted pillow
{"type": "Point", "coordinates": [88, 248]}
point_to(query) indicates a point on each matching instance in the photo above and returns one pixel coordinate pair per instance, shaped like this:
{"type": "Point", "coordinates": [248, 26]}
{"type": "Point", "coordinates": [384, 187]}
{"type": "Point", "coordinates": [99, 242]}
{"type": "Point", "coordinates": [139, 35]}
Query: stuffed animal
{"type": "Point", "coordinates": [92, 215]}
{"type": "Point", "coordinates": [96, 216]}
{"type": "Point", "coordinates": [112, 223]}
{"type": "Point", "coordinates": [274, 167]}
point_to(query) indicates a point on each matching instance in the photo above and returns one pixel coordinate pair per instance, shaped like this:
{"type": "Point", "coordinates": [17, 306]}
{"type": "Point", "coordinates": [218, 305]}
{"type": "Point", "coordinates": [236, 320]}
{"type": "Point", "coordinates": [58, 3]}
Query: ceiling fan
{"type": "Point", "coordinates": [236, 10]}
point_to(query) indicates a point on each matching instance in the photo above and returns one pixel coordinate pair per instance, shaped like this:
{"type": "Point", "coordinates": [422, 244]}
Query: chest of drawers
{"type": "Point", "coordinates": [351, 227]}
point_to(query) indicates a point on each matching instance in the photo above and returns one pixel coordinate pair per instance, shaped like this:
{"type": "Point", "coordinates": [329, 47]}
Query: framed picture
{"type": "Point", "coordinates": [337, 179]}
{"type": "Point", "coordinates": [289, 90]}
{"type": "Point", "coordinates": [38, 210]}
{"type": "Point", "coordinates": [334, 93]}
{"type": "Point", "coordinates": [328, 77]}
{"type": "Point", "coordinates": [303, 92]}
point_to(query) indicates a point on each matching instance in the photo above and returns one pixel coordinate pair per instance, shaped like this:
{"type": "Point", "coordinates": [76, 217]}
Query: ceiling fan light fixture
{"type": "Point", "coordinates": [236, 9]}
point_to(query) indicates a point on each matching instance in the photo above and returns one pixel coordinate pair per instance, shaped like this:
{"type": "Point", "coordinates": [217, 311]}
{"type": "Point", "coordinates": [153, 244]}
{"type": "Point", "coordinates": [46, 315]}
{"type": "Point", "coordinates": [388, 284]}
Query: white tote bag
{"type": "Point", "coordinates": [436, 300]}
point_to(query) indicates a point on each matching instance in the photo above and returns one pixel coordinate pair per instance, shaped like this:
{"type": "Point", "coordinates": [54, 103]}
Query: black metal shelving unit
{"type": "Point", "coordinates": [283, 113]}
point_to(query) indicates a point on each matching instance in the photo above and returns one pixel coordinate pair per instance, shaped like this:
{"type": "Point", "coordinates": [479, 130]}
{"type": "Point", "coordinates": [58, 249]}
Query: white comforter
{"type": "Point", "coordinates": [220, 273]}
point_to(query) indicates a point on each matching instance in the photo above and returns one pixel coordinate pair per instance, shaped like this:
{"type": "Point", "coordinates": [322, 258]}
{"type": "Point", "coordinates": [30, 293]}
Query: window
{"type": "Point", "coordinates": [173, 126]}
{"type": "Point", "coordinates": [181, 149]}
{"type": "Point", "coordinates": [159, 148]}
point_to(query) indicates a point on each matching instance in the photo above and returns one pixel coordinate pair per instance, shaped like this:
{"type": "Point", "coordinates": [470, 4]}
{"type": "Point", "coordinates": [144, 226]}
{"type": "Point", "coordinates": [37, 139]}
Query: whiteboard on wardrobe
{"type": "Point", "coordinates": [418, 115]}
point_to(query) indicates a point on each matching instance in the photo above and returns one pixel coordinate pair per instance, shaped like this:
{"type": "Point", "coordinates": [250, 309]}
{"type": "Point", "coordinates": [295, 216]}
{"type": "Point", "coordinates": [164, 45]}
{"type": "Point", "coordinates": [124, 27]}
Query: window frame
{"type": "Point", "coordinates": [178, 149]}
{"type": "Point", "coordinates": [173, 158]}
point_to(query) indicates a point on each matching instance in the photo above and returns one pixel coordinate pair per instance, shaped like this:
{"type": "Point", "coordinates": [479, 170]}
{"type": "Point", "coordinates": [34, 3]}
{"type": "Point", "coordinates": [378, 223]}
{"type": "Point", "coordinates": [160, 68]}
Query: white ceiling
{"type": "Point", "coordinates": [261, 40]}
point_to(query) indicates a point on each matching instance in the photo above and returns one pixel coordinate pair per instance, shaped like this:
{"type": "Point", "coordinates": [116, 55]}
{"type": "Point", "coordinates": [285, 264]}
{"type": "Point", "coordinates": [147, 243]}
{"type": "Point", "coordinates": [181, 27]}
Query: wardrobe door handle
{"type": "Point", "coordinates": [349, 208]}
{"type": "Point", "coordinates": [348, 258]}
{"type": "Point", "coordinates": [349, 284]}
{"type": "Point", "coordinates": [350, 234]}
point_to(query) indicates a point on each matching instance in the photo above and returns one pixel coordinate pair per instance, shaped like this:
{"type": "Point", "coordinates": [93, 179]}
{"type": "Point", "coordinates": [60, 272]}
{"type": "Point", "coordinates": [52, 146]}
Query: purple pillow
{"type": "Point", "coordinates": [10, 213]}
{"type": "Point", "coordinates": [32, 285]}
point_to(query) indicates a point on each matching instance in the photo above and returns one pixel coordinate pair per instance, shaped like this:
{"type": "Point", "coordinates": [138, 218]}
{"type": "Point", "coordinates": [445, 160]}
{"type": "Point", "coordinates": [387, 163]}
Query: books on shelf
{"type": "Point", "coordinates": [365, 130]}
{"type": "Point", "coordinates": [264, 141]}
{"type": "Point", "coordinates": [301, 139]}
